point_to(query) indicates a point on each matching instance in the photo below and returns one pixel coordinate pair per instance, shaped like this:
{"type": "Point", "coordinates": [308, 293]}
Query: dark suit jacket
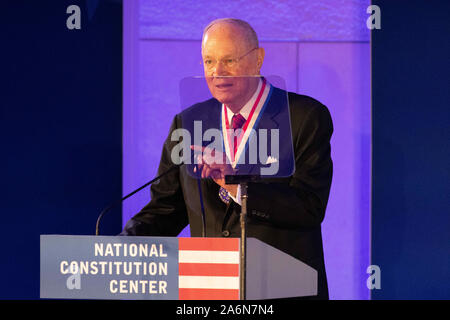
{"type": "Point", "coordinates": [285, 213]}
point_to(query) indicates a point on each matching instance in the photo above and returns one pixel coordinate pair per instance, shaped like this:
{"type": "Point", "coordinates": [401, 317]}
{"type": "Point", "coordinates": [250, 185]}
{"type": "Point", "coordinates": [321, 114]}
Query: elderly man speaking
{"type": "Point", "coordinates": [285, 213]}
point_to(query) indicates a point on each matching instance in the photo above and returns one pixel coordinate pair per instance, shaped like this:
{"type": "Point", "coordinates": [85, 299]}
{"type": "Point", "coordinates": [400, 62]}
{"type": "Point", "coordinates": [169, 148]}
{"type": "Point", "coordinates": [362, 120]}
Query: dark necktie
{"type": "Point", "coordinates": [237, 122]}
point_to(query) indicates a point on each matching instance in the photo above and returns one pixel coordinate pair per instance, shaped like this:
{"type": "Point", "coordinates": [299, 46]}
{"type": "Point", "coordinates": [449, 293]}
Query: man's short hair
{"type": "Point", "coordinates": [249, 32]}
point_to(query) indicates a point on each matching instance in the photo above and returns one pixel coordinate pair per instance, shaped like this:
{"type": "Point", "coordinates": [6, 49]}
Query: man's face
{"type": "Point", "coordinates": [222, 44]}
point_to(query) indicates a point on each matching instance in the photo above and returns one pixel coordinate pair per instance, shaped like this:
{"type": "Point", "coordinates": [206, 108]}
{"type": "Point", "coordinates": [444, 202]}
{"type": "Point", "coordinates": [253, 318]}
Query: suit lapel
{"type": "Point", "coordinates": [268, 120]}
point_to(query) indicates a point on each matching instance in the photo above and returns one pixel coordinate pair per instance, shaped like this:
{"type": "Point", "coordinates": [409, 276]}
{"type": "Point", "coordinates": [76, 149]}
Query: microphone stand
{"type": "Point", "coordinates": [173, 167]}
{"type": "Point", "coordinates": [202, 207]}
{"type": "Point", "coordinates": [242, 180]}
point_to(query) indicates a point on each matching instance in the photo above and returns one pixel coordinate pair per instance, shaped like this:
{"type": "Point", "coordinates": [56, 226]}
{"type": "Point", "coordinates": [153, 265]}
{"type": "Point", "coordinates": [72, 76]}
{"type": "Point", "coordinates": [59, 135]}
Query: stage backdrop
{"type": "Point", "coordinates": [321, 48]}
{"type": "Point", "coordinates": [61, 129]}
{"type": "Point", "coordinates": [411, 150]}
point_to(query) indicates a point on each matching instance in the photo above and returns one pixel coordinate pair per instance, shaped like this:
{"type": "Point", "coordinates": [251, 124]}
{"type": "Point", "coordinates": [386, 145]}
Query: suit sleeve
{"type": "Point", "coordinates": [165, 214]}
{"type": "Point", "coordinates": [299, 201]}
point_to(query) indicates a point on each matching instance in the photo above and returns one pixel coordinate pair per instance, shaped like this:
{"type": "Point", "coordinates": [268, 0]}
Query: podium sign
{"type": "Point", "coordinates": [165, 268]}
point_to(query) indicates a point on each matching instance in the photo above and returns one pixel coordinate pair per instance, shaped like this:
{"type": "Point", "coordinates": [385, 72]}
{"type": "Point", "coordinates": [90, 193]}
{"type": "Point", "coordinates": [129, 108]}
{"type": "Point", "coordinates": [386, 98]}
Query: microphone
{"type": "Point", "coordinates": [173, 167]}
{"type": "Point", "coordinates": [199, 186]}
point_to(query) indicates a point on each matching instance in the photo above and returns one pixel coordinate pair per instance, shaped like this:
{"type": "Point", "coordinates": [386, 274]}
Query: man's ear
{"type": "Point", "coordinates": [261, 54]}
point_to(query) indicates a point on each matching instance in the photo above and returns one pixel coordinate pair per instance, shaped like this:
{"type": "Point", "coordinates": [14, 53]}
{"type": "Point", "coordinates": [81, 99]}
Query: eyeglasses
{"type": "Point", "coordinates": [228, 63]}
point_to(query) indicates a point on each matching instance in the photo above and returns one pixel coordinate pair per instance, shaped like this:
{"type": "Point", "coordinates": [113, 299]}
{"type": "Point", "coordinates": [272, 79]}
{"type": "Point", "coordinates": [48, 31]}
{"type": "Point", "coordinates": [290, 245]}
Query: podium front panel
{"type": "Point", "coordinates": [139, 268]}
{"type": "Point", "coordinates": [167, 268]}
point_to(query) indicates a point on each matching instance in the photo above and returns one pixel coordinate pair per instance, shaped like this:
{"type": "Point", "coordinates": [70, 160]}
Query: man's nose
{"type": "Point", "coordinates": [219, 69]}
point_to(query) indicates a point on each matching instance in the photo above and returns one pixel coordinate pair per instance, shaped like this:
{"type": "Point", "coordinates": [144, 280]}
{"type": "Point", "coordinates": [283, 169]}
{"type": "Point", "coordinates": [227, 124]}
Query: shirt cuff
{"type": "Point", "coordinates": [237, 199]}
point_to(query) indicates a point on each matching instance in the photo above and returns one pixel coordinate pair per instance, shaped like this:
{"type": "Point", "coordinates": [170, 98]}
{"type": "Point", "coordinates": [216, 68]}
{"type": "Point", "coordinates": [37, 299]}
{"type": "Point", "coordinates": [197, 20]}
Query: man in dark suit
{"type": "Point", "coordinates": [285, 213]}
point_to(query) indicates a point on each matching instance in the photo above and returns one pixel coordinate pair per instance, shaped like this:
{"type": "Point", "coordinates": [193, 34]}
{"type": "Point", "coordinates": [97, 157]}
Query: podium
{"type": "Point", "coordinates": [167, 268]}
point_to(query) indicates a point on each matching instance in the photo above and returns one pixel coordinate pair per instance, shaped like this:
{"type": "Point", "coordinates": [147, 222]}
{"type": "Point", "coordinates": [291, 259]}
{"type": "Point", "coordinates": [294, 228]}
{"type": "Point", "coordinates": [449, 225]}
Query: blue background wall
{"type": "Point", "coordinates": [411, 163]}
{"type": "Point", "coordinates": [61, 129]}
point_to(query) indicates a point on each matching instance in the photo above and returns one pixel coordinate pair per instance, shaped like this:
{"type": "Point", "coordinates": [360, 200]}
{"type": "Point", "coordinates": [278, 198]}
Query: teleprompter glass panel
{"type": "Point", "coordinates": [233, 126]}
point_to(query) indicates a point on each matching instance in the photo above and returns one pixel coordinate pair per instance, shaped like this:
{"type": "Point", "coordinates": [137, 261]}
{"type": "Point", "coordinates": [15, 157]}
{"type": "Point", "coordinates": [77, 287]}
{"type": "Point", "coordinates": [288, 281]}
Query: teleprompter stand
{"type": "Point", "coordinates": [243, 181]}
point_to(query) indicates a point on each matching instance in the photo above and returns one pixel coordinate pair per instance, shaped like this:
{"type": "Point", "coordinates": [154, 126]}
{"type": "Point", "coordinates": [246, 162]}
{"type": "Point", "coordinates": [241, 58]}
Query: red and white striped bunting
{"type": "Point", "coordinates": [208, 270]}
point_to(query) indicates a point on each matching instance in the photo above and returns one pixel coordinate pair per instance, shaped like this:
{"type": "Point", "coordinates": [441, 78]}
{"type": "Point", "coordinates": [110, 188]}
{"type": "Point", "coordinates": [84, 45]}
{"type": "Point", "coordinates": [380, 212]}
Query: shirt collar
{"type": "Point", "coordinates": [245, 111]}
